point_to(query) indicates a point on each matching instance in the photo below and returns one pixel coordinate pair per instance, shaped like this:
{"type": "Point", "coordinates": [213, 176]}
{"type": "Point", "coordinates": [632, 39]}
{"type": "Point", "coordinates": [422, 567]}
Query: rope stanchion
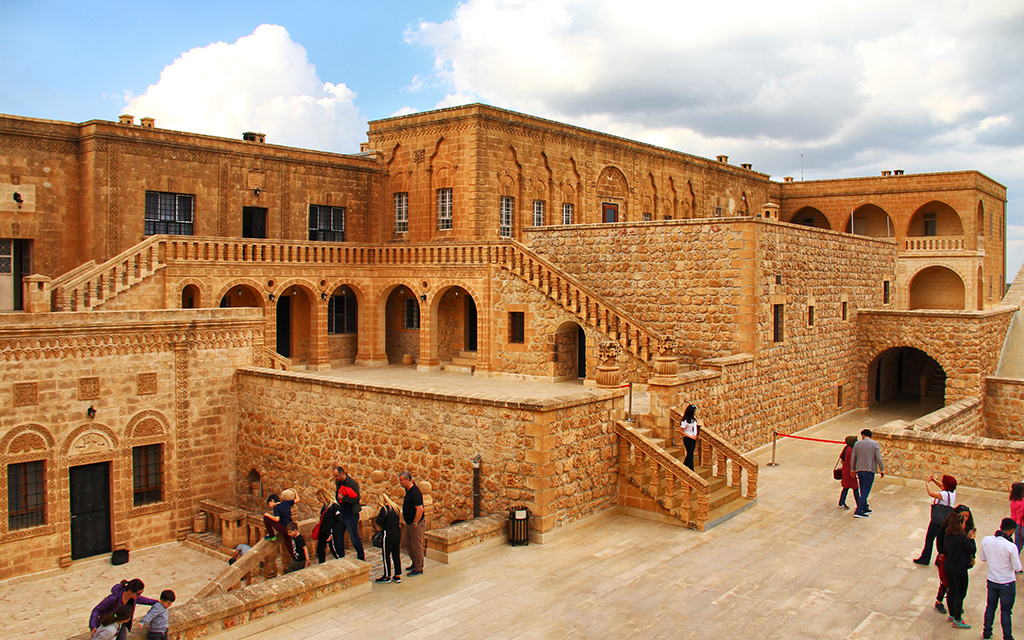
{"type": "Point", "coordinates": [776, 435]}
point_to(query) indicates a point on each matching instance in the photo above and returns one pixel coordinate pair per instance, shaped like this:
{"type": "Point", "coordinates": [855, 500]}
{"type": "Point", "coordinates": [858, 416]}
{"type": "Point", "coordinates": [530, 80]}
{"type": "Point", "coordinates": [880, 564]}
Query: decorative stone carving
{"type": "Point", "coordinates": [88, 388]}
{"type": "Point", "coordinates": [26, 393]}
{"type": "Point", "coordinates": [89, 443]}
{"type": "Point", "coordinates": [666, 365]}
{"type": "Point", "coordinates": [148, 427]}
{"type": "Point", "coordinates": [27, 443]}
{"type": "Point", "coordinates": [608, 374]}
{"type": "Point", "coordinates": [145, 384]}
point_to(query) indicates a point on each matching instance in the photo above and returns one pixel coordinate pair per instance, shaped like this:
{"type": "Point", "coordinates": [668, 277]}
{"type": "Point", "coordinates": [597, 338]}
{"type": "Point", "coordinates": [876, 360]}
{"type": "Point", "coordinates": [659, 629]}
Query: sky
{"type": "Point", "coordinates": [808, 89]}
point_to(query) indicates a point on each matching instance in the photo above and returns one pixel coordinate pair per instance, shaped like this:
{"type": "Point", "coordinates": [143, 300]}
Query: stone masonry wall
{"type": "Point", "coordinates": [1004, 408]}
{"type": "Point", "coordinates": [555, 458]}
{"type": "Point", "coordinates": [157, 377]}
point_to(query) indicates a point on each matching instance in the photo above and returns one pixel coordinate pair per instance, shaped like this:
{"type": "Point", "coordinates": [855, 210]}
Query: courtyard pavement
{"type": "Point", "coordinates": [794, 566]}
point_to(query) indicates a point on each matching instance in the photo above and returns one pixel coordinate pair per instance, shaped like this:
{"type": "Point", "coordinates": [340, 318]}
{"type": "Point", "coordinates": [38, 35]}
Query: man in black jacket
{"type": "Point", "coordinates": [347, 495]}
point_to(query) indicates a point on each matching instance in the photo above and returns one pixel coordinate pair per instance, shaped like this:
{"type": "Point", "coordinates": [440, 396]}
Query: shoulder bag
{"type": "Point", "coordinates": [940, 511]}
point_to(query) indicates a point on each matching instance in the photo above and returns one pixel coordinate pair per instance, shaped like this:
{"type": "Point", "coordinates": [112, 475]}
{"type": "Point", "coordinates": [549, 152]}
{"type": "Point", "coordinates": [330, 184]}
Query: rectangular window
{"type": "Point", "coordinates": [647, 217]}
{"type": "Point", "coordinates": [991, 283]}
{"type": "Point", "coordinates": [507, 209]}
{"type": "Point", "coordinates": [412, 314]}
{"type": "Point", "coordinates": [778, 278]}
{"type": "Point", "coordinates": [810, 316]}
{"type": "Point", "coordinates": [444, 209]}
{"type": "Point", "coordinates": [168, 213]}
{"type": "Point", "coordinates": [342, 312]}
{"type": "Point", "coordinates": [846, 310]}
{"type": "Point", "coordinates": [401, 212]}
{"type": "Point", "coordinates": [516, 327]}
{"type": "Point", "coordinates": [930, 225]}
{"type": "Point", "coordinates": [778, 312]}
{"type": "Point", "coordinates": [326, 224]}
{"type": "Point", "coordinates": [26, 495]}
{"type": "Point", "coordinates": [148, 474]}
{"type": "Point", "coordinates": [718, 212]}
{"type": "Point", "coordinates": [885, 292]}
{"type": "Point", "coordinates": [566, 213]}
{"type": "Point", "coordinates": [538, 213]}
{"type": "Point", "coordinates": [839, 397]}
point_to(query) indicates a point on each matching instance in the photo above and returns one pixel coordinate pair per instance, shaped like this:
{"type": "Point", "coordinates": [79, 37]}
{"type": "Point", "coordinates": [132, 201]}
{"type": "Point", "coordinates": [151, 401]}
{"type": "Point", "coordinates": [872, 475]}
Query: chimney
{"type": "Point", "coordinates": [898, 172]}
{"type": "Point", "coordinates": [147, 123]}
{"type": "Point", "coordinates": [747, 166]}
{"type": "Point", "coordinates": [126, 119]}
{"type": "Point", "coordinates": [252, 136]}
{"type": "Point", "coordinates": [887, 173]}
{"type": "Point", "coordinates": [723, 159]}
{"type": "Point", "coordinates": [788, 179]}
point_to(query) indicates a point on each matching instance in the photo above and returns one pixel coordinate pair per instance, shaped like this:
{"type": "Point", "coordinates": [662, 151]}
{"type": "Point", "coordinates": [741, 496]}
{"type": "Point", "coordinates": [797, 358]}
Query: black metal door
{"type": "Point", "coordinates": [470, 324]}
{"type": "Point", "coordinates": [90, 510]}
{"type": "Point", "coordinates": [284, 326]}
{"type": "Point", "coordinates": [254, 222]}
{"type": "Point", "coordinates": [581, 353]}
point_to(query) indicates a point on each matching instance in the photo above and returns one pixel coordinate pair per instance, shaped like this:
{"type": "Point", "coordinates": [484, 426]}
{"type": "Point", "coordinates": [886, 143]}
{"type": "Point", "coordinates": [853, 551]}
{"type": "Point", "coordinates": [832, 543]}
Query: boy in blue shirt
{"type": "Point", "coordinates": [157, 617]}
{"type": "Point", "coordinates": [277, 521]}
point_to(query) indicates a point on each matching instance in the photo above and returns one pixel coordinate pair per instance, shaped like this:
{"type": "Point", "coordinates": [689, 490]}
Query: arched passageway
{"type": "Point", "coordinates": [456, 325]}
{"type": "Point", "coordinates": [935, 219]}
{"type": "Point", "coordinates": [190, 297]}
{"type": "Point", "coordinates": [810, 217]}
{"type": "Point", "coordinates": [870, 220]}
{"type": "Point", "coordinates": [241, 295]}
{"type": "Point", "coordinates": [343, 325]}
{"type": "Point", "coordinates": [937, 288]}
{"type": "Point", "coordinates": [909, 376]}
{"type": "Point", "coordinates": [294, 321]}
{"type": "Point", "coordinates": [402, 326]}
{"type": "Point", "coordinates": [569, 352]}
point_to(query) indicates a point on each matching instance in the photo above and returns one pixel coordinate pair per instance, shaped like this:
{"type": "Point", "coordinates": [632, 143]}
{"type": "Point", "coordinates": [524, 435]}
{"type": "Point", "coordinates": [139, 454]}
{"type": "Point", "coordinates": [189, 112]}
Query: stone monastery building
{"type": "Point", "coordinates": [176, 303]}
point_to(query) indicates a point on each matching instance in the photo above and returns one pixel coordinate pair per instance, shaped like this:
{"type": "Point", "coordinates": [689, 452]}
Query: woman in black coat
{"type": "Point", "coordinates": [388, 520]}
{"type": "Point", "coordinates": [959, 551]}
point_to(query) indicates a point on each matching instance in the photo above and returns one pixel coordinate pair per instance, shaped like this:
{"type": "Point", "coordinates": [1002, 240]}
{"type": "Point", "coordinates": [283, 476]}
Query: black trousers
{"type": "Point", "coordinates": [958, 582]}
{"type": "Point", "coordinates": [327, 539]}
{"type": "Point", "coordinates": [690, 445]}
{"type": "Point", "coordinates": [929, 540]}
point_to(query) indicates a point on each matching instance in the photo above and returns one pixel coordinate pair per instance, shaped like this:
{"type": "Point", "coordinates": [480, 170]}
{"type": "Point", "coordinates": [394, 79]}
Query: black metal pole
{"type": "Point", "coordinates": [476, 486]}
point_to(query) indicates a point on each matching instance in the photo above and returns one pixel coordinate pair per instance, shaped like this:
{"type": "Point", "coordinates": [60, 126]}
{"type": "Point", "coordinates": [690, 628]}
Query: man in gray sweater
{"type": "Point", "coordinates": [866, 459]}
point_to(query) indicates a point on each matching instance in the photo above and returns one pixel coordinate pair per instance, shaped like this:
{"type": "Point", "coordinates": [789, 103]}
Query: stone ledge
{"type": "Point", "coordinates": [974, 442]}
{"type": "Point", "coordinates": [932, 420]}
{"type": "Point", "coordinates": [230, 610]}
{"type": "Point", "coordinates": [467, 538]}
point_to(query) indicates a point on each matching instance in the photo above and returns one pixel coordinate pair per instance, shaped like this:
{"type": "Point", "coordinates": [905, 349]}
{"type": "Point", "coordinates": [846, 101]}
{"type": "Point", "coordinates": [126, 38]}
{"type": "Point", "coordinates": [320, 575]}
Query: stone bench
{"type": "Point", "coordinates": [467, 538]}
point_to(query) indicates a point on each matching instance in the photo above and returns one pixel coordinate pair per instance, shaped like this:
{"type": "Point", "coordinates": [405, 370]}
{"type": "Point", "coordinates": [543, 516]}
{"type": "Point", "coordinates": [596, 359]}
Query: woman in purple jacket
{"type": "Point", "coordinates": [126, 592]}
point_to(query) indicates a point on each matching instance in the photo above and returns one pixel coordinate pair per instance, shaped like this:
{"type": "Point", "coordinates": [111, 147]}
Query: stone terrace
{"type": "Point", "coordinates": [793, 567]}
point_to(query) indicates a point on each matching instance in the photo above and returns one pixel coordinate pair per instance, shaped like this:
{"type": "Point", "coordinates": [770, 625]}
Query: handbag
{"type": "Point", "coordinates": [316, 531]}
{"type": "Point", "coordinates": [378, 539]}
{"type": "Point", "coordinates": [940, 512]}
{"type": "Point", "coordinates": [837, 471]}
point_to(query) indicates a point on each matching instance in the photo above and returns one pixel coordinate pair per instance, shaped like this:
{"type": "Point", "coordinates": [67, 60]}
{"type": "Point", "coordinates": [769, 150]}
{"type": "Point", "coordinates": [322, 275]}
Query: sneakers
{"type": "Point", "coordinates": [940, 607]}
{"type": "Point", "coordinates": [843, 506]}
{"type": "Point", "coordinates": [921, 561]}
{"type": "Point", "coordinates": [860, 515]}
{"type": "Point", "coordinates": [383, 579]}
{"type": "Point", "coordinates": [397, 579]}
{"type": "Point", "coordinates": [413, 572]}
{"type": "Point", "coordinates": [960, 624]}
{"type": "Point", "coordinates": [867, 511]}
{"type": "Point", "coordinates": [949, 618]}
{"type": "Point", "coordinates": [271, 538]}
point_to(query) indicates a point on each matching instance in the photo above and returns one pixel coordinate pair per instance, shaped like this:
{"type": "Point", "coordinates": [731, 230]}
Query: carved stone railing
{"type": "Point", "coordinates": [725, 460]}
{"type": "Point", "coordinates": [84, 288]}
{"type": "Point", "coordinates": [662, 477]}
{"type": "Point", "coordinates": [277, 361]}
{"type": "Point", "coordinates": [934, 243]}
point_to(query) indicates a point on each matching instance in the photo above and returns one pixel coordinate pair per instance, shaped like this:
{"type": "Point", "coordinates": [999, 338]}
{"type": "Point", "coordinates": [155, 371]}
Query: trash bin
{"type": "Point", "coordinates": [519, 526]}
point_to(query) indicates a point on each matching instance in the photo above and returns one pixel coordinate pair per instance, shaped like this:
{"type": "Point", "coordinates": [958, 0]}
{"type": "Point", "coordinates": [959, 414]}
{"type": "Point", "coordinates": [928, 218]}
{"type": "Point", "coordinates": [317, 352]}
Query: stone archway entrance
{"type": "Point", "coordinates": [569, 352]}
{"type": "Point", "coordinates": [402, 326]}
{"type": "Point", "coordinates": [905, 375]}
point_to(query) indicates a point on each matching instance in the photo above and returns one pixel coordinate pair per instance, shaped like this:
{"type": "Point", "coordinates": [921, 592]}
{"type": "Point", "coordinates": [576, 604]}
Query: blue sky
{"type": "Point", "coordinates": [844, 88]}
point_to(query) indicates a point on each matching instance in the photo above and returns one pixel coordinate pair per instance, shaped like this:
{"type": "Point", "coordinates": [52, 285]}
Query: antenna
{"type": "Point", "coordinates": [801, 167]}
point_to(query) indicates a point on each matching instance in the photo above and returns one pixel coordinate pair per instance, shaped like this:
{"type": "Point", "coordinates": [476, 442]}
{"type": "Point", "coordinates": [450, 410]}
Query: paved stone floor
{"type": "Point", "coordinates": [794, 566]}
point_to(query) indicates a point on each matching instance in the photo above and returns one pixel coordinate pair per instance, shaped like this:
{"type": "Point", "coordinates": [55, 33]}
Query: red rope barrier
{"type": "Point", "coordinates": [784, 435]}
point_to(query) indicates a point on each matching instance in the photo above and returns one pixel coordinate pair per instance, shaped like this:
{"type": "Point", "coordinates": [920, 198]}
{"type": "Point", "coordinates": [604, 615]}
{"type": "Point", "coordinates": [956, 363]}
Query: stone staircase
{"type": "Point", "coordinates": [465, 362]}
{"type": "Point", "coordinates": [936, 389]}
{"type": "Point", "coordinates": [699, 499]}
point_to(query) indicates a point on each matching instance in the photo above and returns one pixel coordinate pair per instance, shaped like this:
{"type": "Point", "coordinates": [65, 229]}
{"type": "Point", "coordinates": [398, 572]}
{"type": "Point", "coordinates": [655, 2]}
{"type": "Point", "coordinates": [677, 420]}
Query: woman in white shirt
{"type": "Point", "coordinates": [944, 496]}
{"type": "Point", "coordinates": [688, 428]}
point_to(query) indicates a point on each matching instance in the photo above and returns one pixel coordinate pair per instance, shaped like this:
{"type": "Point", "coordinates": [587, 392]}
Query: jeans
{"type": "Point", "coordinates": [1002, 595]}
{"type": "Point", "coordinates": [856, 496]}
{"type": "Point", "coordinates": [866, 479]}
{"type": "Point", "coordinates": [352, 526]}
{"type": "Point", "coordinates": [1018, 538]}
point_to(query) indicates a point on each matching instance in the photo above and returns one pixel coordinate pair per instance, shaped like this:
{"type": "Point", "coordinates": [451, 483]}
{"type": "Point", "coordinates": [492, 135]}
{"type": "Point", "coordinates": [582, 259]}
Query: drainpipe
{"type": "Point", "coordinates": [476, 486]}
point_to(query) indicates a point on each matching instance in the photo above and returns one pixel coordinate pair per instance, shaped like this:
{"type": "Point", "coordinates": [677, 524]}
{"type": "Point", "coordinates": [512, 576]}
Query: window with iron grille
{"type": "Point", "coordinates": [26, 495]}
{"type": "Point", "coordinates": [516, 327]}
{"type": "Point", "coordinates": [342, 311]}
{"type": "Point", "coordinates": [326, 224]}
{"type": "Point", "coordinates": [412, 314]}
{"type": "Point", "coordinates": [507, 208]}
{"type": "Point", "coordinates": [401, 212]}
{"type": "Point", "coordinates": [444, 209]}
{"type": "Point", "coordinates": [779, 316]}
{"type": "Point", "coordinates": [148, 474]}
{"type": "Point", "coordinates": [566, 213]}
{"type": "Point", "coordinates": [647, 217]}
{"type": "Point", "coordinates": [538, 213]}
{"type": "Point", "coordinates": [169, 213]}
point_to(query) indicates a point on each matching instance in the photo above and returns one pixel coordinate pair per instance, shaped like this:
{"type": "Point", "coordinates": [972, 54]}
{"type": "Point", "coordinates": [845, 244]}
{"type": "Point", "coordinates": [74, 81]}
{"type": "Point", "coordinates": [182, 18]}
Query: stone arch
{"type": "Point", "coordinates": [980, 230]}
{"type": "Point", "coordinates": [981, 288]}
{"type": "Point", "coordinates": [304, 316]}
{"type": "Point", "coordinates": [26, 439]}
{"type": "Point", "coordinates": [390, 309]}
{"type": "Point", "coordinates": [344, 345]}
{"type": "Point", "coordinates": [568, 351]}
{"type": "Point", "coordinates": [191, 289]}
{"type": "Point", "coordinates": [568, 192]}
{"type": "Point", "coordinates": [870, 220]}
{"type": "Point", "coordinates": [84, 450]}
{"type": "Point", "coordinates": [29, 443]}
{"type": "Point", "coordinates": [242, 292]}
{"type": "Point", "coordinates": [612, 187]}
{"type": "Point", "coordinates": [147, 424]}
{"type": "Point", "coordinates": [947, 221]}
{"type": "Point", "coordinates": [936, 287]}
{"type": "Point", "coordinates": [906, 371]}
{"type": "Point", "coordinates": [454, 323]}
{"type": "Point", "coordinates": [810, 217]}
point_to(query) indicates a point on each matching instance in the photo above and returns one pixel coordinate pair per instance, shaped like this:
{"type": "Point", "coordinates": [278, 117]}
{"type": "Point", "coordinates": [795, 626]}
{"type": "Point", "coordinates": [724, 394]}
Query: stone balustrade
{"type": "Point", "coordinates": [725, 460]}
{"type": "Point", "coordinates": [934, 243]}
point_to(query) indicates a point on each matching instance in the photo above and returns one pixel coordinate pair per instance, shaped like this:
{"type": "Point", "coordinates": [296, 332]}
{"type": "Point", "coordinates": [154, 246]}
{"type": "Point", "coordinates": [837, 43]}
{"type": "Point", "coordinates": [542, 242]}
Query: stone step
{"type": "Point", "coordinates": [722, 496]}
{"type": "Point", "coordinates": [461, 368]}
{"type": "Point", "coordinates": [465, 362]}
{"type": "Point", "coordinates": [468, 354]}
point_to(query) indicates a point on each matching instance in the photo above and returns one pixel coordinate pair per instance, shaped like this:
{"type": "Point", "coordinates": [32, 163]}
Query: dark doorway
{"type": "Point", "coordinates": [90, 510]}
{"type": "Point", "coordinates": [284, 326]}
{"type": "Point", "coordinates": [609, 212]}
{"type": "Point", "coordinates": [470, 324]}
{"type": "Point", "coordinates": [581, 353]}
{"type": "Point", "coordinates": [254, 222]}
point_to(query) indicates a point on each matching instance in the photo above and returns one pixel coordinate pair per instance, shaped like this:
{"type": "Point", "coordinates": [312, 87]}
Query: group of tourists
{"type": "Point", "coordinates": [952, 531]}
{"type": "Point", "coordinates": [112, 617]}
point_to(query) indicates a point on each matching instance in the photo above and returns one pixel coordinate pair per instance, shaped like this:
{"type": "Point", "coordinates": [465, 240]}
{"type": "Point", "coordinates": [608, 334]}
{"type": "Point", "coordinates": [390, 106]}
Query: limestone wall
{"type": "Point", "coordinates": [160, 377]}
{"type": "Point", "coordinates": [1004, 408]}
{"type": "Point", "coordinates": [974, 461]}
{"type": "Point", "coordinates": [556, 458]}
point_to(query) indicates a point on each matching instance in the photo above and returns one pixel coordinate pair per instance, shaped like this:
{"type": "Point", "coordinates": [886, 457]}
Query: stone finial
{"type": "Point", "coordinates": [608, 374]}
{"type": "Point", "coordinates": [666, 346]}
{"type": "Point", "coordinates": [666, 365]}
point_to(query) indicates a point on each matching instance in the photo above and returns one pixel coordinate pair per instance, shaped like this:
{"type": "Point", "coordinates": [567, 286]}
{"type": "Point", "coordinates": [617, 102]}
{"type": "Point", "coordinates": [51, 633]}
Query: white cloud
{"type": "Point", "coordinates": [854, 86]}
{"type": "Point", "coordinates": [262, 82]}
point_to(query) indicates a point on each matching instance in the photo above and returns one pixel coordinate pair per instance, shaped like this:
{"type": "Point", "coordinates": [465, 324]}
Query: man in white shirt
{"type": "Point", "coordinates": [1003, 564]}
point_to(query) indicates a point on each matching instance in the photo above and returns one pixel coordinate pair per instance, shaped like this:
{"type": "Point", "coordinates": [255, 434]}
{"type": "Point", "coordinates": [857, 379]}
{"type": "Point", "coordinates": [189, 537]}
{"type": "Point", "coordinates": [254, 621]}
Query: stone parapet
{"type": "Point", "coordinates": [450, 544]}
